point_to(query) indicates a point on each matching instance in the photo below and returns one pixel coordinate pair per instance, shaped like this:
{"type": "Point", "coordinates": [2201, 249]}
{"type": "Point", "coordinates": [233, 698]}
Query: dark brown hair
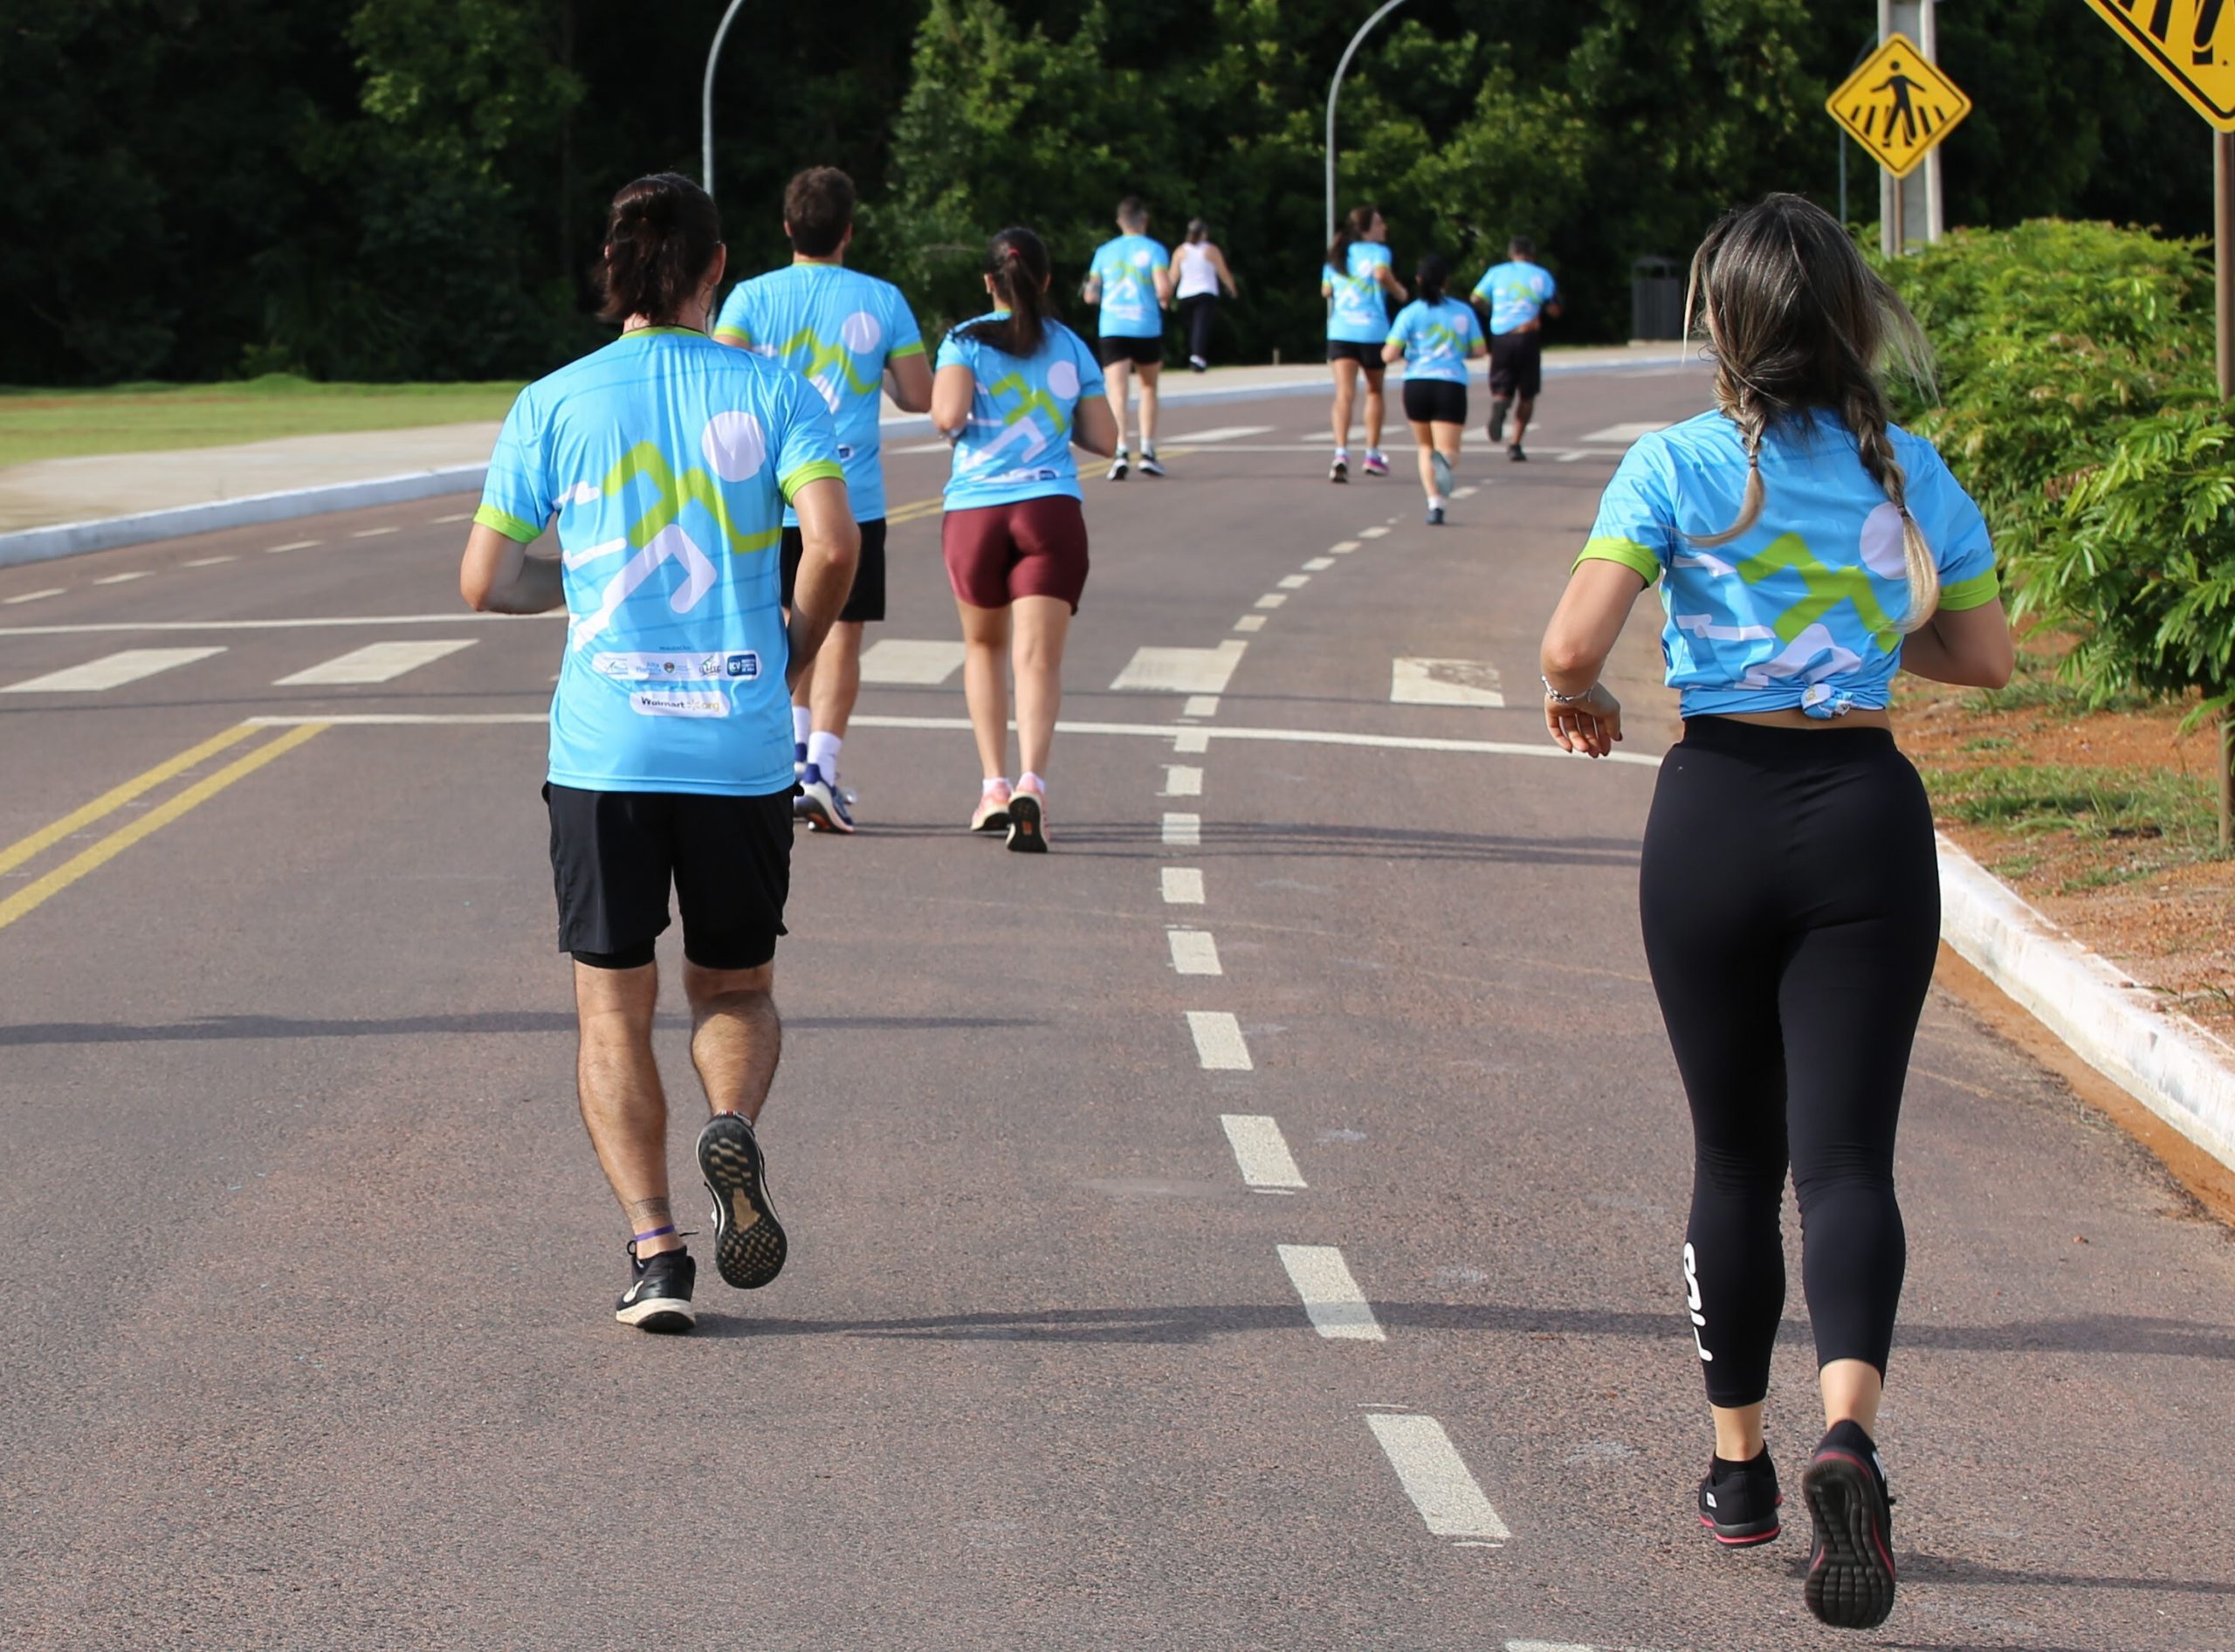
{"type": "Point", "coordinates": [1799, 321]}
{"type": "Point", "coordinates": [1431, 275]}
{"type": "Point", "coordinates": [661, 235]}
{"type": "Point", "coordinates": [818, 208]}
{"type": "Point", "coordinates": [1353, 228]}
{"type": "Point", "coordinates": [1017, 261]}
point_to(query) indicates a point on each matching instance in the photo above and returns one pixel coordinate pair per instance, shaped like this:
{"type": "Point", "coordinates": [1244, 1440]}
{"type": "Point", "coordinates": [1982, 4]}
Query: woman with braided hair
{"type": "Point", "coordinates": [1806, 549]}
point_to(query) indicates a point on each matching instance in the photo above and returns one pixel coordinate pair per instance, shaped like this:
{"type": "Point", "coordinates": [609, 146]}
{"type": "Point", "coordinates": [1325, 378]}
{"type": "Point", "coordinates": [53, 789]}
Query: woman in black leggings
{"type": "Point", "coordinates": [1807, 550]}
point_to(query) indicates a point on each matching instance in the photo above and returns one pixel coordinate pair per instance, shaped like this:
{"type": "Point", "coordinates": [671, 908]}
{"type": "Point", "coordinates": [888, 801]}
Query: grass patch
{"type": "Point", "coordinates": [2168, 818]}
{"type": "Point", "coordinates": [139, 419]}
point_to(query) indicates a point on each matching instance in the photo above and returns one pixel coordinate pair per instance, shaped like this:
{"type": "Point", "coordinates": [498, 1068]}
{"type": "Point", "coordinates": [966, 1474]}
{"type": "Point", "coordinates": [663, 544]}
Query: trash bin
{"type": "Point", "coordinates": [1656, 300]}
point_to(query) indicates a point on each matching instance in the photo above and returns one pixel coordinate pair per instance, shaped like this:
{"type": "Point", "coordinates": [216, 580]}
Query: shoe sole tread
{"type": "Point", "coordinates": [748, 1254]}
{"type": "Point", "coordinates": [1851, 1578]}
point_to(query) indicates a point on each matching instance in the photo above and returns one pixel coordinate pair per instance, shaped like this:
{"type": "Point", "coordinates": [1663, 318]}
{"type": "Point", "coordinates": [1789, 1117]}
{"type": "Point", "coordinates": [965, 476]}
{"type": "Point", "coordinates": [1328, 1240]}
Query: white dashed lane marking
{"type": "Point", "coordinates": [1271, 599]}
{"type": "Point", "coordinates": [1219, 1045]}
{"type": "Point", "coordinates": [897, 662]}
{"type": "Point", "coordinates": [1224, 433]}
{"type": "Point", "coordinates": [1200, 705]}
{"type": "Point", "coordinates": [1465, 492]}
{"type": "Point", "coordinates": [1194, 952]}
{"type": "Point", "coordinates": [1319, 564]}
{"type": "Point", "coordinates": [1444, 681]}
{"type": "Point", "coordinates": [1247, 623]}
{"type": "Point", "coordinates": [1373, 532]}
{"type": "Point", "coordinates": [1343, 548]}
{"type": "Point", "coordinates": [1436, 1478]}
{"type": "Point", "coordinates": [1261, 1151]}
{"type": "Point", "coordinates": [1181, 781]}
{"type": "Point", "coordinates": [374, 663]}
{"type": "Point", "coordinates": [208, 561]}
{"type": "Point", "coordinates": [1183, 886]}
{"type": "Point", "coordinates": [291, 545]}
{"type": "Point", "coordinates": [1181, 670]}
{"type": "Point", "coordinates": [1332, 1301]}
{"type": "Point", "coordinates": [372, 533]}
{"type": "Point", "coordinates": [455, 516]}
{"type": "Point", "coordinates": [1296, 581]}
{"type": "Point", "coordinates": [111, 670]}
{"type": "Point", "coordinates": [1183, 832]}
{"type": "Point", "coordinates": [122, 579]}
{"type": "Point", "coordinates": [1623, 435]}
{"type": "Point", "coordinates": [37, 596]}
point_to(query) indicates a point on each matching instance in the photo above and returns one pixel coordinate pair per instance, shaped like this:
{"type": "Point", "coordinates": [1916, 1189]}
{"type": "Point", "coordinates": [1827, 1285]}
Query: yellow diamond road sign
{"type": "Point", "coordinates": [2191, 43]}
{"type": "Point", "coordinates": [1897, 104]}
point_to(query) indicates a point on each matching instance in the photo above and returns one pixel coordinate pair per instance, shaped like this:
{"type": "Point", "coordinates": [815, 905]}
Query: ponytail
{"type": "Point", "coordinates": [661, 236]}
{"type": "Point", "coordinates": [1352, 228]}
{"type": "Point", "coordinates": [1431, 275]}
{"type": "Point", "coordinates": [1016, 262]}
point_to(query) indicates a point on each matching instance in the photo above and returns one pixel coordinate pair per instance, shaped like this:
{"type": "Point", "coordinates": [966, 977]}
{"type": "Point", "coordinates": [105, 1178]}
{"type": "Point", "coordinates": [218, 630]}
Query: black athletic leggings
{"type": "Point", "coordinates": [1198, 310]}
{"type": "Point", "coordinates": [1791, 899]}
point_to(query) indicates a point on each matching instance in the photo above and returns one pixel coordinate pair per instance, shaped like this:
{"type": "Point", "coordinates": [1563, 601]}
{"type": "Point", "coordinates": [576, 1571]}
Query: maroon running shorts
{"type": "Point", "coordinates": [1035, 547]}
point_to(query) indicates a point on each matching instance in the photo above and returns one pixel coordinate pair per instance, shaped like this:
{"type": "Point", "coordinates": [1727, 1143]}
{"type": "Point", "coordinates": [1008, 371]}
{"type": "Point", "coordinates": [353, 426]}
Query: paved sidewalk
{"type": "Point", "coordinates": [96, 486]}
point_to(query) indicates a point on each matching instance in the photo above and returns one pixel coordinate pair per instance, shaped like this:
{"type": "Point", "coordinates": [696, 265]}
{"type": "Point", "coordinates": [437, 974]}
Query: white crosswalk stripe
{"type": "Point", "coordinates": [374, 663]}
{"type": "Point", "coordinates": [111, 670]}
{"type": "Point", "coordinates": [900, 662]}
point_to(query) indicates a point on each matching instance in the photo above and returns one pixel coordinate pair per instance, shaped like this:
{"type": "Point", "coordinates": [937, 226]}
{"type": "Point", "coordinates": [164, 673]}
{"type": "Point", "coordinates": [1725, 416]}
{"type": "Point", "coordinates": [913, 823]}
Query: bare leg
{"type": "Point", "coordinates": [1119, 376]}
{"type": "Point", "coordinates": [623, 1107]}
{"type": "Point", "coordinates": [1851, 1391]}
{"type": "Point", "coordinates": [736, 1036]}
{"type": "Point", "coordinates": [1042, 624]}
{"type": "Point", "coordinates": [985, 684]}
{"type": "Point", "coordinates": [835, 675]}
{"type": "Point", "coordinates": [1522, 410]}
{"type": "Point", "coordinates": [1448, 437]}
{"type": "Point", "coordinates": [1737, 1432]}
{"type": "Point", "coordinates": [1149, 373]}
{"type": "Point", "coordinates": [1374, 410]}
{"type": "Point", "coordinates": [1424, 438]}
{"type": "Point", "coordinates": [1346, 390]}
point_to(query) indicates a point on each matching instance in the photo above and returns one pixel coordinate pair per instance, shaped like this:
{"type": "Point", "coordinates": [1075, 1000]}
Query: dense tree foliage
{"type": "Point", "coordinates": [384, 188]}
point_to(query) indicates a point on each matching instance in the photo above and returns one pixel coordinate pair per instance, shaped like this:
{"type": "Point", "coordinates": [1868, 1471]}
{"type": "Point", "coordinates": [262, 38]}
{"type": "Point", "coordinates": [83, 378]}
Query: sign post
{"type": "Point", "coordinates": [2192, 44]}
{"type": "Point", "coordinates": [1898, 106]}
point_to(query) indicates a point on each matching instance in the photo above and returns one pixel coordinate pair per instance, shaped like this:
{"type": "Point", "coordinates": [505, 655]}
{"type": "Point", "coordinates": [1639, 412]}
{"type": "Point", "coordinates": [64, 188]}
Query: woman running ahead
{"type": "Point", "coordinates": [1807, 550]}
{"type": "Point", "coordinates": [1015, 389]}
{"type": "Point", "coordinates": [1354, 281]}
{"type": "Point", "coordinates": [1435, 336]}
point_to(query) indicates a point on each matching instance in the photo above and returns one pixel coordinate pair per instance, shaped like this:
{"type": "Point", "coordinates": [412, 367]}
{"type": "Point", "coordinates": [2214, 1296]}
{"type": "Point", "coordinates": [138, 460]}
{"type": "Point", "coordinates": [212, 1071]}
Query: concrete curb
{"type": "Point", "coordinates": [74, 539]}
{"type": "Point", "coordinates": [2172, 1066]}
{"type": "Point", "coordinates": [213, 516]}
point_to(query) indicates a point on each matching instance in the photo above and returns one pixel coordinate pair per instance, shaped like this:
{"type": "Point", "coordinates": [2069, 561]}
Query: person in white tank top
{"type": "Point", "coordinates": [1199, 270]}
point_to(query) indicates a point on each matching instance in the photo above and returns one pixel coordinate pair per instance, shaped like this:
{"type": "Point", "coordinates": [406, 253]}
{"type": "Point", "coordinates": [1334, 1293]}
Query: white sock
{"type": "Point", "coordinates": [802, 721]}
{"type": "Point", "coordinates": [1030, 781]}
{"type": "Point", "coordinates": [994, 783]}
{"type": "Point", "coordinates": [1342, 456]}
{"type": "Point", "coordinates": [822, 754]}
{"type": "Point", "coordinates": [1435, 501]}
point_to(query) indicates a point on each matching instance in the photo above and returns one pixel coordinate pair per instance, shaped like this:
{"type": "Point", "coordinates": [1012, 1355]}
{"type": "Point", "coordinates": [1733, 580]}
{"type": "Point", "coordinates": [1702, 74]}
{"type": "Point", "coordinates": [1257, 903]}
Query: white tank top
{"type": "Point", "coordinates": [1197, 275]}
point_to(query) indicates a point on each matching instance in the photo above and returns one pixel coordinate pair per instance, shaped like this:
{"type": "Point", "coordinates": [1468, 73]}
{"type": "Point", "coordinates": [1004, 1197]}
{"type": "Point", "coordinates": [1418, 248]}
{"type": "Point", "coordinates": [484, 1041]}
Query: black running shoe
{"type": "Point", "coordinates": [1738, 1502]}
{"type": "Point", "coordinates": [1513, 451]}
{"type": "Point", "coordinates": [1339, 470]}
{"type": "Point", "coordinates": [658, 1298]}
{"type": "Point", "coordinates": [1150, 465]}
{"type": "Point", "coordinates": [1851, 1565]}
{"type": "Point", "coordinates": [749, 1242]}
{"type": "Point", "coordinates": [1029, 823]}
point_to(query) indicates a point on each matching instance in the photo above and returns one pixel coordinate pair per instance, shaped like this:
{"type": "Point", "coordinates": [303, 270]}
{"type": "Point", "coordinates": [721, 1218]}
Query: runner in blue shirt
{"type": "Point", "coordinates": [853, 336]}
{"type": "Point", "coordinates": [1514, 297]}
{"type": "Point", "coordinates": [1434, 336]}
{"type": "Point", "coordinates": [1354, 281]}
{"type": "Point", "coordinates": [1807, 550]}
{"type": "Point", "coordinates": [667, 461]}
{"type": "Point", "coordinates": [1015, 389]}
{"type": "Point", "coordinates": [1131, 279]}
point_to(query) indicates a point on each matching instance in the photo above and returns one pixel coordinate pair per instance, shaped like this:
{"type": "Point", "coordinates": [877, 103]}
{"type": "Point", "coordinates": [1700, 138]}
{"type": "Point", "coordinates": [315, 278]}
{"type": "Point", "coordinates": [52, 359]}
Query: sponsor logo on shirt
{"type": "Point", "coordinates": [677, 702]}
{"type": "Point", "coordinates": [746, 666]}
{"type": "Point", "coordinates": [676, 668]}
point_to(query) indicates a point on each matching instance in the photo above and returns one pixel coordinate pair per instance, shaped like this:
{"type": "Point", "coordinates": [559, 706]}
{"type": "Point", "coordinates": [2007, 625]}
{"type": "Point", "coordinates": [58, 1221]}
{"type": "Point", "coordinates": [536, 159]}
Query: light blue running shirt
{"type": "Point", "coordinates": [1018, 443]}
{"type": "Point", "coordinates": [668, 458]}
{"type": "Point", "coordinates": [1518, 293]}
{"type": "Point", "coordinates": [1437, 339]}
{"type": "Point", "coordinates": [1128, 267]}
{"type": "Point", "coordinates": [839, 329]}
{"type": "Point", "coordinates": [1358, 314]}
{"type": "Point", "coordinates": [1800, 609]}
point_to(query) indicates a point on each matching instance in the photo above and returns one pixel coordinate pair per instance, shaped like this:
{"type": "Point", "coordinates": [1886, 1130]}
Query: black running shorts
{"type": "Point", "coordinates": [1147, 352]}
{"type": "Point", "coordinates": [1516, 364]}
{"type": "Point", "coordinates": [614, 854]}
{"type": "Point", "coordinates": [865, 602]}
{"type": "Point", "coordinates": [1435, 401]}
{"type": "Point", "coordinates": [1367, 356]}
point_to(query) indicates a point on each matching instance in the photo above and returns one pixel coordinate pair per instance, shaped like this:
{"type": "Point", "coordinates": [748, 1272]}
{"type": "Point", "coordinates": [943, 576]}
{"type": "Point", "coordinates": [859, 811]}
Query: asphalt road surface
{"type": "Point", "coordinates": [1254, 1225]}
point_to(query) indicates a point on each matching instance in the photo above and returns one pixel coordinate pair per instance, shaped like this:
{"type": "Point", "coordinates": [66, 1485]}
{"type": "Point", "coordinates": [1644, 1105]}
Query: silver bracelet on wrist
{"type": "Point", "coordinates": [1554, 694]}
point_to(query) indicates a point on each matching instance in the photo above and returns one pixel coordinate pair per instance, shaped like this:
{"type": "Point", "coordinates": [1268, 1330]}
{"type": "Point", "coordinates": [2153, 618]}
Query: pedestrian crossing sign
{"type": "Point", "coordinates": [2183, 41]}
{"type": "Point", "coordinates": [1898, 105]}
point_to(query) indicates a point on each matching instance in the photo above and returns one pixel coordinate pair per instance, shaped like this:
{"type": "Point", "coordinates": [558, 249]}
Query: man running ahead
{"type": "Point", "coordinates": [667, 461]}
{"type": "Point", "coordinates": [851, 334]}
{"type": "Point", "coordinates": [1514, 297]}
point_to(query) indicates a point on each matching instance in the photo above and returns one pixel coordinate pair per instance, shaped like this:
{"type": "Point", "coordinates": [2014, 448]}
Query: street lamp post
{"type": "Point", "coordinates": [706, 103]}
{"type": "Point", "coordinates": [1334, 91]}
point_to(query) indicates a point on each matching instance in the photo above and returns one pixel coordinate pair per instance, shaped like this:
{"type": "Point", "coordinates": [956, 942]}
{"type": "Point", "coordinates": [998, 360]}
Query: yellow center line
{"type": "Point", "coordinates": [40, 889]}
{"type": "Point", "coordinates": [109, 801]}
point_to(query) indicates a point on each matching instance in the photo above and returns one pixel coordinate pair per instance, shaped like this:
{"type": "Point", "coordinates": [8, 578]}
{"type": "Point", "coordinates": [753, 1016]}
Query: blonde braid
{"type": "Point", "coordinates": [1866, 416]}
{"type": "Point", "coordinates": [1745, 406]}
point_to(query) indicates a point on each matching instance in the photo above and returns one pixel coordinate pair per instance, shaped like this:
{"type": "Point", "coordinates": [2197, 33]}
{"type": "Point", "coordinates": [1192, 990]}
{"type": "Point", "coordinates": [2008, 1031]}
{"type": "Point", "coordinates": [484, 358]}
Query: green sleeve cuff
{"type": "Point", "coordinates": [733, 336]}
{"type": "Point", "coordinates": [505, 523]}
{"type": "Point", "coordinates": [1977, 592]}
{"type": "Point", "coordinates": [913, 348]}
{"type": "Point", "coordinates": [1628, 553]}
{"type": "Point", "coordinates": [812, 471]}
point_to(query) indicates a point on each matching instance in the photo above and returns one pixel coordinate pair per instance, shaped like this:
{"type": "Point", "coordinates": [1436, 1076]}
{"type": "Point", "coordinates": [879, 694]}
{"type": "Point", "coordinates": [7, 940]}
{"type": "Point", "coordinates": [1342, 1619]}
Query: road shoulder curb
{"type": "Point", "coordinates": [2181, 1072]}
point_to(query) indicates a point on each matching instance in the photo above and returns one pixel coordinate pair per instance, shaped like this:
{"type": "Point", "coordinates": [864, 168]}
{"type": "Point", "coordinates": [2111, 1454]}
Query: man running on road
{"type": "Point", "coordinates": [667, 461]}
{"type": "Point", "coordinates": [1514, 297]}
{"type": "Point", "coordinates": [1131, 279]}
{"type": "Point", "coordinates": [850, 335]}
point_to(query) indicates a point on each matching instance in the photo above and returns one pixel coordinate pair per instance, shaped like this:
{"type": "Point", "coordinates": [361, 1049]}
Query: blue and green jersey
{"type": "Point", "coordinates": [667, 459]}
{"type": "Point", "coordinates": [1438, 338]}
{"type": "Point", "coordinates": [1128, 269]}
{"type": "Point", "coordinates": [1017, 444]}
{"type": "Point", "coordinates": [1801, 609]}
{"type": "Point", "coordinates": [839, 329]}
{"type": "Point", "coordinates": [1358, 314]}
{"type": "Point", "coordinates": [1516, 293]}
